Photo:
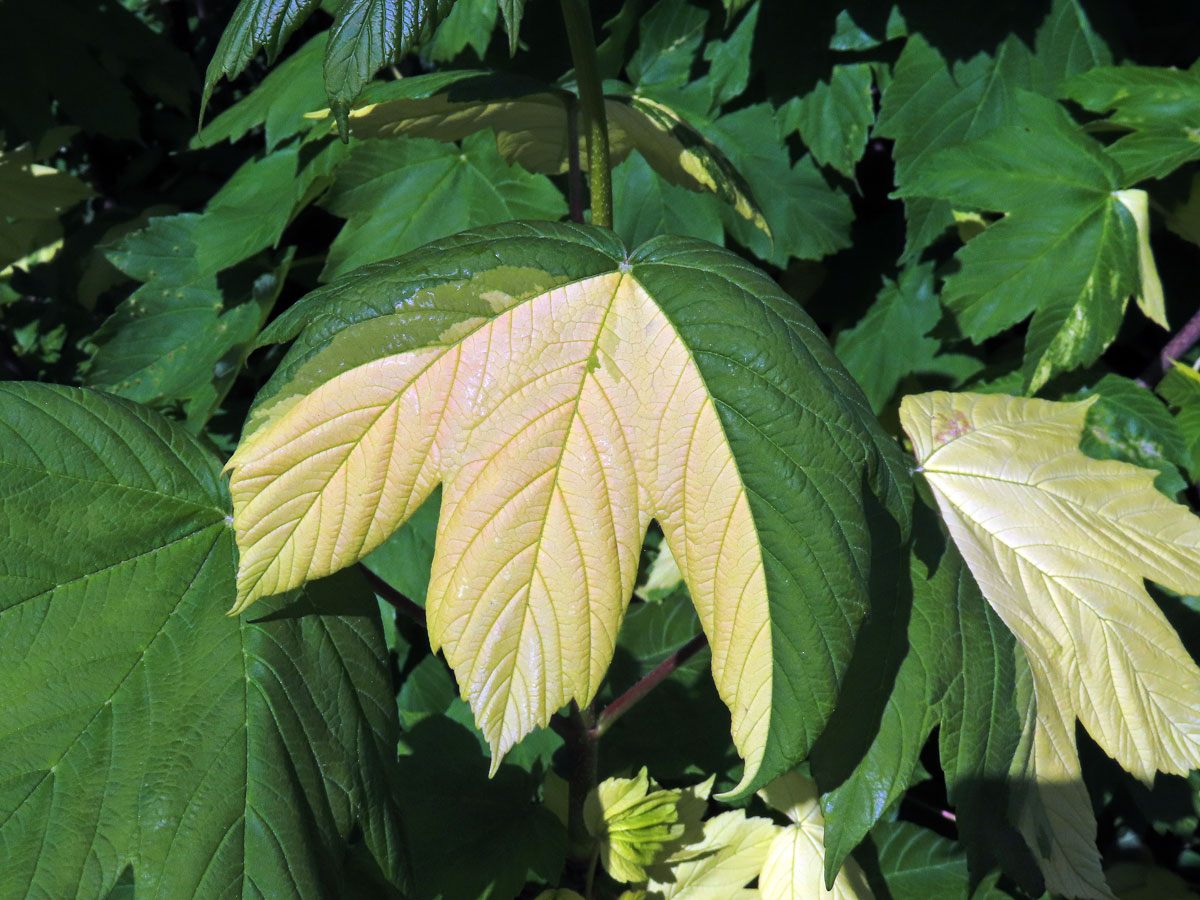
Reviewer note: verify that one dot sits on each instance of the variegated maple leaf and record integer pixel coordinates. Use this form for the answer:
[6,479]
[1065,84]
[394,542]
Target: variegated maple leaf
[1060,545]
[565,392]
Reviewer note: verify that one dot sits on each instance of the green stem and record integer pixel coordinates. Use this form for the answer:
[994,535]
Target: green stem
[580,750]
[591,99]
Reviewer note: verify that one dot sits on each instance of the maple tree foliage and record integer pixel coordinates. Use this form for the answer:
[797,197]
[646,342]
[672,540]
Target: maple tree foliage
[626,450]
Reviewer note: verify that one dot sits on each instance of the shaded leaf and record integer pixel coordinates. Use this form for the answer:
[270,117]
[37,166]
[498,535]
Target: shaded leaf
[676,301]
[512,10]
[645,205]
[1181,388]
[203,751]
[632,820]
[399,194]
[730,854]
[32,196]
[1156,106]
[835,117]
[291,89]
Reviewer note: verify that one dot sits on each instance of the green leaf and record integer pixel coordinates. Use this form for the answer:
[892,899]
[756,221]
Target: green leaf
[176,338]
[916,863]
[669,38]
[706,304]
[1156,106]
[1181,388]
[925,109]
[847,34]
[290,90]
[729,62]
[512,10]
[469,24]
[890,341]
[1130,424]
[32,196]
[646,205]
[1065,45]
[256,749]
[1067,247]
[530,122]
[481,837]
[404,559]
[256,25]
[834,117]
[958,676]
[251,210]
[399,194]
[807,218]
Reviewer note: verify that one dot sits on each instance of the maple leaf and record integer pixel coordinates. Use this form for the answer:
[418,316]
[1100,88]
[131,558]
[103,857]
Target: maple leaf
[795,862]
[565,393]
[1060,545]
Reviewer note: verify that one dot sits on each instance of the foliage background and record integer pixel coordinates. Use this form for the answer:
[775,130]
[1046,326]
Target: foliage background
[149,259]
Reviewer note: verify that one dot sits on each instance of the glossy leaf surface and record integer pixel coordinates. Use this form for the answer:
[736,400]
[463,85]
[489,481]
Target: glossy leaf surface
[629,388]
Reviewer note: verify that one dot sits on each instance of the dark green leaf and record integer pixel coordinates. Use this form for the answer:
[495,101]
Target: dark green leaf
[1159,107]
[480,837]
[729,60]
[670,35]
[209,753]
[918,864]
[400,194]
[957,674]
[646,205]
[925,109]
[1065,45]
[1181,388]
[834,117]
[469,24]
[890,341]
[290,90]
[848,35]
[807,218]
[1130,424]
[1066,248]
[512,10]
[256,25]
[178,337]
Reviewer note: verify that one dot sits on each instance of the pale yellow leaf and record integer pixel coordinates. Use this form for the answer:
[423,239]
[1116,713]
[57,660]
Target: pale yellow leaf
[558,429]
[1150,298]
[1060,545]
[632,819]
[718,867]
[795,864]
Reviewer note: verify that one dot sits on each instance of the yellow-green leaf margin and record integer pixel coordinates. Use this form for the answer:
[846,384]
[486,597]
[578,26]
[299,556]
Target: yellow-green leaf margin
[565,392]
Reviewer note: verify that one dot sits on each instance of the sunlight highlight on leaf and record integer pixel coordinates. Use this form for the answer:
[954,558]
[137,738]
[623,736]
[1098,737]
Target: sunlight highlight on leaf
[1060,545]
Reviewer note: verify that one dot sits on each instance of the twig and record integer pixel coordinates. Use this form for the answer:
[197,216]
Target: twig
[581,758]
[1180,343]
[402,604]
[645,684]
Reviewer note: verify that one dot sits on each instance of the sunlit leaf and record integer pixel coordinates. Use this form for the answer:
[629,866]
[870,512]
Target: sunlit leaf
[769,522]
[632,819]
[795,865]
[1060,545]
[729,856]
[1066,250]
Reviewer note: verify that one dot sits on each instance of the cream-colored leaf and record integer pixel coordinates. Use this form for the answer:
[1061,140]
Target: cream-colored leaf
[1060,545]
[558,429]
[795,864]
[718,867]
[1150,298]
